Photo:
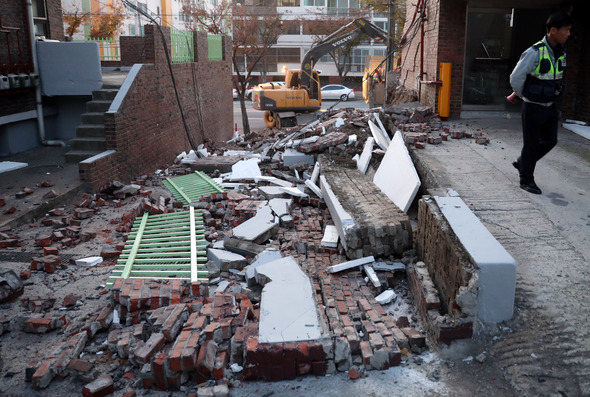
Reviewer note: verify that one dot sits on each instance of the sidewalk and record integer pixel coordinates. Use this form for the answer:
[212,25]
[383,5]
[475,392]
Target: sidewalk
[53,183]
[547,235]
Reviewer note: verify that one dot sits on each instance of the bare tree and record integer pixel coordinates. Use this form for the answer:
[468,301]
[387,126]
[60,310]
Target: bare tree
[252,34]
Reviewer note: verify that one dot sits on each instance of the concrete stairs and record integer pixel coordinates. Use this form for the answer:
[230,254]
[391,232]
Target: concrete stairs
[90,135]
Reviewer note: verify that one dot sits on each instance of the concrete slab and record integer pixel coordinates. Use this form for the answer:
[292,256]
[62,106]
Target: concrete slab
[294,191]
[280,206]
[6,166]
[245,169]
[350,264]
[363,162]
[266,256]
[396,175]
[378,135]
[288,310]
[343,220]
[314,188]
[578,129]
[331,237]
[292,156]
[316,173]
[274,181]
[273,192]
[496,267]
[372,276]
[380,125]
[259,228]
[226,260]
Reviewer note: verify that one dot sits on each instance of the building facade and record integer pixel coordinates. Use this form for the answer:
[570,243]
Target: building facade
[483,40]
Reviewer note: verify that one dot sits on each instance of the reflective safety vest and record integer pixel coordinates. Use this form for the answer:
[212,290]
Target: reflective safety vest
[545,83]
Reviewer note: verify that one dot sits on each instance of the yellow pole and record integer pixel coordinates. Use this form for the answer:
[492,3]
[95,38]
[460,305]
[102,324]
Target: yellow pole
[444,93]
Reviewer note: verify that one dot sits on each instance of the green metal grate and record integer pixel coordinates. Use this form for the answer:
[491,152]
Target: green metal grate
[190,188]
[166,246]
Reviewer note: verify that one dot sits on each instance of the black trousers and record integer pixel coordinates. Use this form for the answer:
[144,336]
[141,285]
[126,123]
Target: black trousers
[539,134]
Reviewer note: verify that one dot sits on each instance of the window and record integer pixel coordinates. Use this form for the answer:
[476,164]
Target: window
[291,27]
[381,24]
[315,3]
[342,7]
[40,18]
[288,3]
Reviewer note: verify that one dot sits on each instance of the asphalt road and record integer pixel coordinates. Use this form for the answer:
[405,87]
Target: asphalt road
[256,120]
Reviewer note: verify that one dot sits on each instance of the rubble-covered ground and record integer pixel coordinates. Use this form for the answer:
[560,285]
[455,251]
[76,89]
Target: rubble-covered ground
[59,299]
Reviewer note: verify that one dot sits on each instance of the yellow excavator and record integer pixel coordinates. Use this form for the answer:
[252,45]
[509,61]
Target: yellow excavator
[302,92]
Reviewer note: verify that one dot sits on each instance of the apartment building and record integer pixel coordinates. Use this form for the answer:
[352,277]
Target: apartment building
[299,38]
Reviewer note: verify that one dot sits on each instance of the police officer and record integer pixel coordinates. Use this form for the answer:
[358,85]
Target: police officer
[538,79]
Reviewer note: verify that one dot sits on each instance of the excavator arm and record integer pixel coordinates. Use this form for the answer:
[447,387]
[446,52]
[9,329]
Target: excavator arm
[301,92]
[336,40]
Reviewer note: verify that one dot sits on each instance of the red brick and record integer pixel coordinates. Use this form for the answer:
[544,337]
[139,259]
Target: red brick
[146,352]
[160,372]
[175,355]
[42,376]
[189,358]
[316,351]
[220,364]
[366,353]
[102,386]
[206,357]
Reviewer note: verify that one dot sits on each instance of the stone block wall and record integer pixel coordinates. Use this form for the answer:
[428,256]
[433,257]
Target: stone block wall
[151,127]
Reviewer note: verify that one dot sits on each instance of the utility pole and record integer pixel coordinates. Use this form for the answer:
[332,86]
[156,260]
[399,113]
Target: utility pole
[391,8]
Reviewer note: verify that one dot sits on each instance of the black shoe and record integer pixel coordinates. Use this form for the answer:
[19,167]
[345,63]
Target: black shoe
[530,187]
[516,165]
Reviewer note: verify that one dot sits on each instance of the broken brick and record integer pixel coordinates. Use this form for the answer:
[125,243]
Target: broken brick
[102,386]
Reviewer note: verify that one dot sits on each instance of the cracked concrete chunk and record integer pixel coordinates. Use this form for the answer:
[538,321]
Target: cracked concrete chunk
[226,260]
[288,310]
[401,185]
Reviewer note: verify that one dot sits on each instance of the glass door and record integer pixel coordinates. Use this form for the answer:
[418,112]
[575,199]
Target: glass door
[487,59]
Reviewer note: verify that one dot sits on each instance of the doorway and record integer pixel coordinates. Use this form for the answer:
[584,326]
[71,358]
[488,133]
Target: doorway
[495,38]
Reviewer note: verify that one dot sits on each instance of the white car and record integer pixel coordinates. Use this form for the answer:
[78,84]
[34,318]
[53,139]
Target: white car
[235,93]
[338,92]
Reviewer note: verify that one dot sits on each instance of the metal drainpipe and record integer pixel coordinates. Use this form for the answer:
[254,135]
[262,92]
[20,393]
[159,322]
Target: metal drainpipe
[38,101]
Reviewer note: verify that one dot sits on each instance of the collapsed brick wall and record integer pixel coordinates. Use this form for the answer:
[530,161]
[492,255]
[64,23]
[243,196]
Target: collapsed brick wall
[447,272]
[437,245]
[148,131]
[380,227]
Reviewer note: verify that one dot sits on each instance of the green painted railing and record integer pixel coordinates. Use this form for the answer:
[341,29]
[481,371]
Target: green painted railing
[110,49]
[182,46]
[215,48]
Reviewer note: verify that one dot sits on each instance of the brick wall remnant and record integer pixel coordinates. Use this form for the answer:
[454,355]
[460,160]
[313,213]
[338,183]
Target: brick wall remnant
[447,271]
[380,228]
[148,130]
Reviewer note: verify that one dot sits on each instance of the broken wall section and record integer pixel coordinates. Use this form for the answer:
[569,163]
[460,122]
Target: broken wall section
[145,127]
[375,226]
[445,279]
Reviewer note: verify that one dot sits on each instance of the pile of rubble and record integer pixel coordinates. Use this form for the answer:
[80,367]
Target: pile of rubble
[170,333]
